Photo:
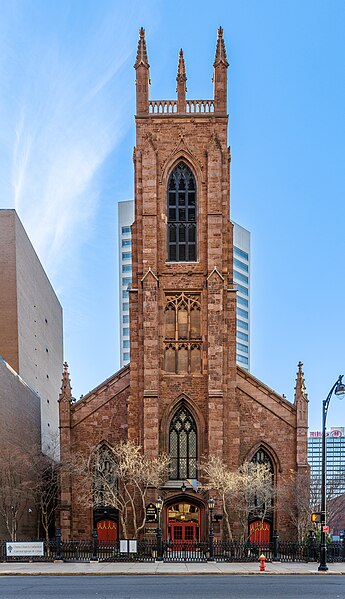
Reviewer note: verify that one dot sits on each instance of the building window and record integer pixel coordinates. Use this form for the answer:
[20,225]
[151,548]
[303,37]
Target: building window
[242,359]
[126,255]
[126,230]
[263,502]
[243,336]
[126,343]
[124,294]
[126,356]
[242,324]
[125,318]
[182,215]
[104,476]
[126,281]
[241,253]
[125,307]
[125,331]
[126,268]
[242,347]
[183,445]
[242,289]
[241,312]
[242,301]
[126,242]
[182,333]
[240,264]
[241,277]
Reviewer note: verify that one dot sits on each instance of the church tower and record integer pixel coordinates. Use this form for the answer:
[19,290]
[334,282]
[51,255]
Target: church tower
[182,301]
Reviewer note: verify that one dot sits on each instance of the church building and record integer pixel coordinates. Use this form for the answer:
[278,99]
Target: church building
[182,393]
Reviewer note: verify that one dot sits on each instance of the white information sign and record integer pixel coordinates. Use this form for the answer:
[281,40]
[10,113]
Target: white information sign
[128,546]
[19,549]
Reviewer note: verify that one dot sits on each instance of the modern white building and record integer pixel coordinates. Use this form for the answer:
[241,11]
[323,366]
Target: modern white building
[125,220]
[31,329]
[241,280]
[335,459]
[241,264]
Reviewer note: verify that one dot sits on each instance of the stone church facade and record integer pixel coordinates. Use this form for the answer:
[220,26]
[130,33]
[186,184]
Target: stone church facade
[183,393]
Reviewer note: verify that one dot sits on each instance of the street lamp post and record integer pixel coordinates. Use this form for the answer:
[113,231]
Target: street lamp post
[338,389]
[159,505]
[211,504]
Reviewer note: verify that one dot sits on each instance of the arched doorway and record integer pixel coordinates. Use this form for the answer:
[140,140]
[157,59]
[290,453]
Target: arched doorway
[106,530]
[260,532]
[183,521]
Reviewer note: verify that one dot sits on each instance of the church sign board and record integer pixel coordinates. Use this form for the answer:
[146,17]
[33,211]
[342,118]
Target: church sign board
[18,549]
[151,512]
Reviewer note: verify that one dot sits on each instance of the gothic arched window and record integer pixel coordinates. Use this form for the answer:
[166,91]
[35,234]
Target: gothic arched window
[262,500]
[182,230]
[183,445]
[105,484]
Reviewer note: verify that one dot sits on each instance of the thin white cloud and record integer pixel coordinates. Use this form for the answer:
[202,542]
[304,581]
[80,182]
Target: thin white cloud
[64,113]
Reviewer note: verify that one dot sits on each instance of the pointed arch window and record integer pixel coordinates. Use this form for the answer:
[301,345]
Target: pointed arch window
[183,445]
[262,500]
[182,225]
[104,470]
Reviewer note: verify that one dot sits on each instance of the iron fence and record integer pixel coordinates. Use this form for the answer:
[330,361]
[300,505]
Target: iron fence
[185,551]
[180,551]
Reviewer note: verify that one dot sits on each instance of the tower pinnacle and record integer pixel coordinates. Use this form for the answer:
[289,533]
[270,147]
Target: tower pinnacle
[220,80]
[220,50]
[142,52]
[142,75]
[181,84]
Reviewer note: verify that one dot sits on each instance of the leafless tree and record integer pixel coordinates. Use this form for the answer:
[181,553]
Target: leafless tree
[45,487]
[247,491]
[223,482]
[255,495]
[15,488]
[119,477]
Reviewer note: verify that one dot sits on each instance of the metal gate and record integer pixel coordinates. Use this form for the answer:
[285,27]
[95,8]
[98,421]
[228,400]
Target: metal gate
[185,551]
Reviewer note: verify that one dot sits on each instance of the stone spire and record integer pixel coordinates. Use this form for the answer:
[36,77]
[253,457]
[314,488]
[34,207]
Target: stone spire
[220,56]
[142,82]
[300,389]
[142,52]
[66,389]
[181,84]
[220,75]
[301,403]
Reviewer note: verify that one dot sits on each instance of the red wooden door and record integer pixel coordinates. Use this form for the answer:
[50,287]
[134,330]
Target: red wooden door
[183,532]
[260,532]
[107,530]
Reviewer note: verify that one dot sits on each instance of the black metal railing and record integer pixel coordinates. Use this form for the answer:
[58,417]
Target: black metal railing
[180,551]
[185,551]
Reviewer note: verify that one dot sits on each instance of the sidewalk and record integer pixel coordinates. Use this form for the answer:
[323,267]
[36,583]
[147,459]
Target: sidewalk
[125,568]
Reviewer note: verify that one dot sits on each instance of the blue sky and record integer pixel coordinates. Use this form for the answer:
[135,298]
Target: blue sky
[66,142]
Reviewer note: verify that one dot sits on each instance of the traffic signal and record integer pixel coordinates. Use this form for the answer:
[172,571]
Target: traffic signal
[316,517]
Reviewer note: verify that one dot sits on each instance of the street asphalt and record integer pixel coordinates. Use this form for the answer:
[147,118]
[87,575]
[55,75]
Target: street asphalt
[172,587]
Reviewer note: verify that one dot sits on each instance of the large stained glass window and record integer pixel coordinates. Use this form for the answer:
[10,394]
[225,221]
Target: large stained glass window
[183,445]
[182,230]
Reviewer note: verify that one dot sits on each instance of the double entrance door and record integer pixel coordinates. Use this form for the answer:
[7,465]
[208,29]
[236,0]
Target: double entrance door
[183,532]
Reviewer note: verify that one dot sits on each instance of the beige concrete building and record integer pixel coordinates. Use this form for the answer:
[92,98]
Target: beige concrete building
[30,320]
[20,423]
